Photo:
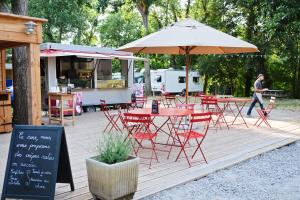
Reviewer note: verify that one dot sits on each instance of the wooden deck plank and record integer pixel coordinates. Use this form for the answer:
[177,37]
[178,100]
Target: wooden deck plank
[222,148]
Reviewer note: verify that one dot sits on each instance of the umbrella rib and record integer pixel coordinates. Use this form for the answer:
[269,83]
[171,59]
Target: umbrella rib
[141,49]
[222,50]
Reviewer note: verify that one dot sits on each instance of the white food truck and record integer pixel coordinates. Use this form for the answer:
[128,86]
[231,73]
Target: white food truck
[89,70]
[174,81]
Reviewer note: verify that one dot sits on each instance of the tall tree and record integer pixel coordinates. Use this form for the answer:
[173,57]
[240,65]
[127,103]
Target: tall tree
[4,7]
[187,11]
[20,71]
[144,8]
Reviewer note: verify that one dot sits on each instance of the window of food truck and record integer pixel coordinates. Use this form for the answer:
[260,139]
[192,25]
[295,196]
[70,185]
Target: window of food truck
[81,72]
[77,71]
[112,74]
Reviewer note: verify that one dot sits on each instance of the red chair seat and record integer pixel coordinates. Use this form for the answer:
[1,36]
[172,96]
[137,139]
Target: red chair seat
[191,134]
[144,136]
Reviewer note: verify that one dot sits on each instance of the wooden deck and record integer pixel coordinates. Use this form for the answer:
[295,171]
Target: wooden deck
[223,148]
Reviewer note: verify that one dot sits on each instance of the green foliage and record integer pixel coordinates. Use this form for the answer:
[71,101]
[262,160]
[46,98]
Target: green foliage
[117,30]
[114,149]
[272,25]
[66,19]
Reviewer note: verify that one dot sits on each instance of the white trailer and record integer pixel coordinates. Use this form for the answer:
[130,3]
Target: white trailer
[90,70]
[174,81]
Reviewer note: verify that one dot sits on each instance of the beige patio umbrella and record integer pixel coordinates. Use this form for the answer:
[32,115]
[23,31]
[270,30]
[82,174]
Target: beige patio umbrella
[189,37]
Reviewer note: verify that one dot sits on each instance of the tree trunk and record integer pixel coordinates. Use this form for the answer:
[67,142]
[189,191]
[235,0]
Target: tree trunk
[249,63]
[298,66]
[147,64]
[205,84]
[4,7]
[20,74]
[187,11]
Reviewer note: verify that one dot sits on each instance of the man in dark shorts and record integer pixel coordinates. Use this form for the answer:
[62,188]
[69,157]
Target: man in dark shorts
[257,95]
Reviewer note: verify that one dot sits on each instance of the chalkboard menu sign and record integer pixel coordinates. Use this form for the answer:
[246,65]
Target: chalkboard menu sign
[38,159]
[155,107]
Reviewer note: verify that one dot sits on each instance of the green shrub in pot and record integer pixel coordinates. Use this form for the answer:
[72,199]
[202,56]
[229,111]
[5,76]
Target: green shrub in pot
[113,173]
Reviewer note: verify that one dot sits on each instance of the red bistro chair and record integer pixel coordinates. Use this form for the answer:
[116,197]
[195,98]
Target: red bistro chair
[140,102]
[112,117]
[168,100]
[179,122]
[210,103]
[263,114]
[141,133]
[184,136]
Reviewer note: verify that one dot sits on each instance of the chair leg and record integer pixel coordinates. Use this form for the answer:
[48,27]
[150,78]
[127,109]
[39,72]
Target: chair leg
[199,147]
[203,154]
[183,150]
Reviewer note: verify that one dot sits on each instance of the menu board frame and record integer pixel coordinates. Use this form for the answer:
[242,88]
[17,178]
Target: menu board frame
[60,169]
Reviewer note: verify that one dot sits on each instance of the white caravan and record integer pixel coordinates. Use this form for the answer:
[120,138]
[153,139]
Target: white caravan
[174,81]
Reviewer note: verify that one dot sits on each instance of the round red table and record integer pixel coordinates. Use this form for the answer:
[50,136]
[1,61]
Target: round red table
[164,112]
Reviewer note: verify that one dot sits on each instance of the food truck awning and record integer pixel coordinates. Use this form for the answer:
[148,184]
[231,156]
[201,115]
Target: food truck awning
[59,53]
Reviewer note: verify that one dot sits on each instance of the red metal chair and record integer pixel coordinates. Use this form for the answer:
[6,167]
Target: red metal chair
[263,114]
[179,122]
[112,117]
[140,102]
[141,132]
[210,103]
[184,136]
[168,100]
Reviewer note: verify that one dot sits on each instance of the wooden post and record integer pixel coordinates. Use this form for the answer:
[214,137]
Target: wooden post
[2,70]
[34,84]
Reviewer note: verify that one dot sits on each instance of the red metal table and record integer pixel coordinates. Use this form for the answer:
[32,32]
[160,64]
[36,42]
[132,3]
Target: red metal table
[239,104]
[166,113]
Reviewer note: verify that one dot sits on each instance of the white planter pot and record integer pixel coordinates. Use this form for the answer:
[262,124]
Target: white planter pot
[112,181]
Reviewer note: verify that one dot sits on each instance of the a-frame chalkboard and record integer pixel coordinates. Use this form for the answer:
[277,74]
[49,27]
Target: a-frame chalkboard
[38,159]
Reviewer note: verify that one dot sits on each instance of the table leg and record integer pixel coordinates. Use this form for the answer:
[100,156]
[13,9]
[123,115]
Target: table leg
[62,111]
[239,108]
[73,111]
[49,109]
[221,115]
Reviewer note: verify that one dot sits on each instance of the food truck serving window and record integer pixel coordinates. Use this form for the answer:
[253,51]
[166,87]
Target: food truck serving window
[77,71]
[90,73]
[112,74]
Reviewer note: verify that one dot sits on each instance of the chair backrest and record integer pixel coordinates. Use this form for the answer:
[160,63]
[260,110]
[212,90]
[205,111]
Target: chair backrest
[188,106]
[202,120]
[209,100]
[201,117]
[103,106]
[271,103]
[140,102]
[137,118]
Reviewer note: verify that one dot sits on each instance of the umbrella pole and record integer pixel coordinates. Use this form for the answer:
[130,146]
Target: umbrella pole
[187,62]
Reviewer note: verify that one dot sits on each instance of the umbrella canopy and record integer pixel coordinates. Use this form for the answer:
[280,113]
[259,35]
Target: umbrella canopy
[189,37]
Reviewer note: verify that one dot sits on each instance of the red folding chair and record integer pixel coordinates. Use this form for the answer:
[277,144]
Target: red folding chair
[264,113]
[184,136]
[140,102]
[112,117]
[210,103]
[141,132]
[168,100]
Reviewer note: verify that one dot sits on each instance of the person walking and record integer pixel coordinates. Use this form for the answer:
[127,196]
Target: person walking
[257,95]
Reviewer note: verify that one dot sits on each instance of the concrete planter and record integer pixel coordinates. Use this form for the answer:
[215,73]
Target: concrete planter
[112,181]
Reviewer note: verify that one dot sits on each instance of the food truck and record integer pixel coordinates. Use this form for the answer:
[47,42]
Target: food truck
[89,71]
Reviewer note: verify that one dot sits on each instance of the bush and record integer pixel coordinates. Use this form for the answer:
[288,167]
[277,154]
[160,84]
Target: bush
[113,149]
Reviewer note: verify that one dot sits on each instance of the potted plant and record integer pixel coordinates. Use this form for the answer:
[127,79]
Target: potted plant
[113,173]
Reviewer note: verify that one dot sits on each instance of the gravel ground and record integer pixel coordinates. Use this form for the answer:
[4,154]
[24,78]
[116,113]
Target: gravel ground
[272,175]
